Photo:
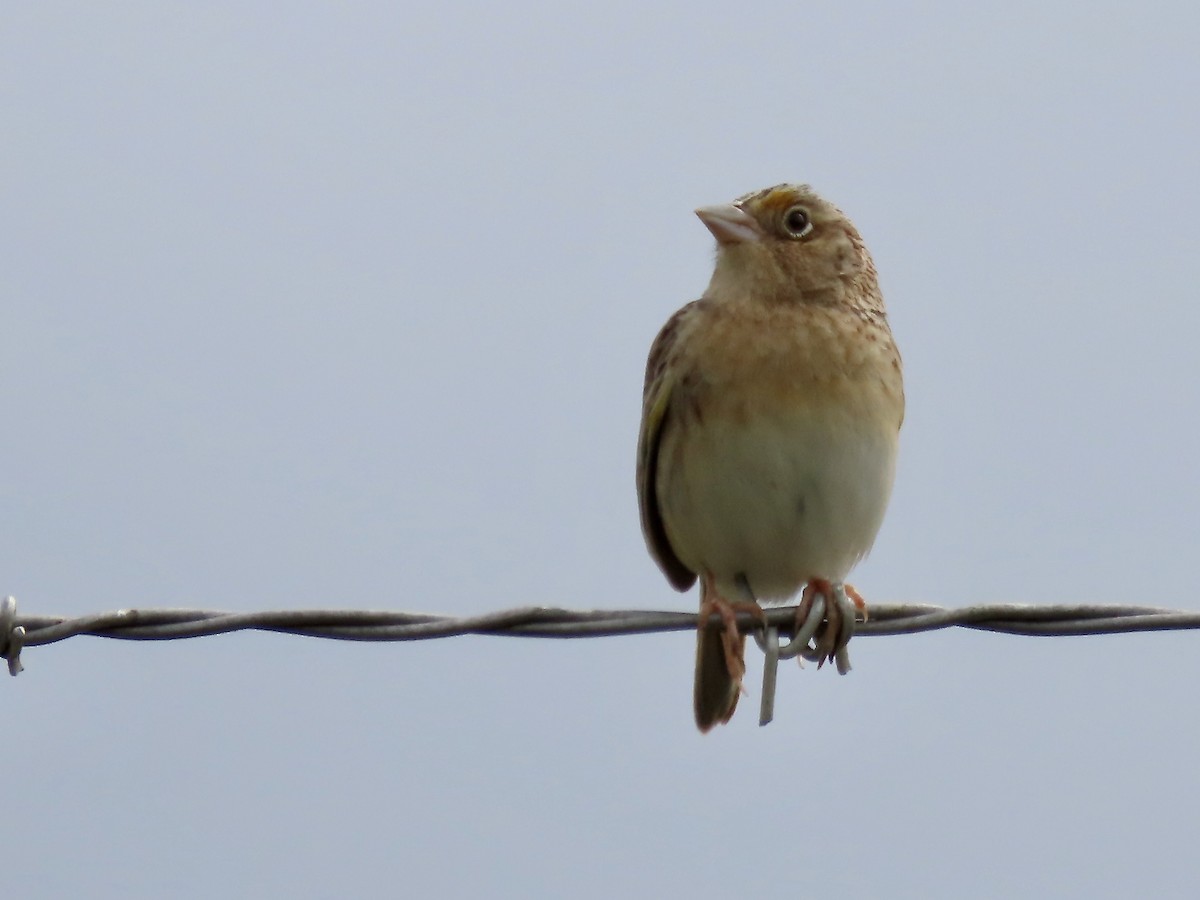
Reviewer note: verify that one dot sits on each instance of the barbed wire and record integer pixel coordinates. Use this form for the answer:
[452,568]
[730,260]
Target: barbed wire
[551,622]
[17,632]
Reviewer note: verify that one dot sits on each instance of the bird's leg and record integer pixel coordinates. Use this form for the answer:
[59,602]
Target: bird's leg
[731,636]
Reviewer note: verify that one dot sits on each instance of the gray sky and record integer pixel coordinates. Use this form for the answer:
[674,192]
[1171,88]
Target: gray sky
[349,308]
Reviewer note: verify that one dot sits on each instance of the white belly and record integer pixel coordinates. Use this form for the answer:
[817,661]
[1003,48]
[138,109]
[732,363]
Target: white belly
[777,500]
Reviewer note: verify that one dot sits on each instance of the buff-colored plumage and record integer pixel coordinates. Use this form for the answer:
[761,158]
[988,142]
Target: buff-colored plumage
[771,412]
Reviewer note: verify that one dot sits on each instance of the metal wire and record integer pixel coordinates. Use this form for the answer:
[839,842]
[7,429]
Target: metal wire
[547,622]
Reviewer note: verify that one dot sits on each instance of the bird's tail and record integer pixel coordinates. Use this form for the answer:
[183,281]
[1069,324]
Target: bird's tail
[717,690]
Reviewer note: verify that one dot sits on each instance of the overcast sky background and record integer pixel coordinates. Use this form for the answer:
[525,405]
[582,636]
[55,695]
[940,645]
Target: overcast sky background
[311,307]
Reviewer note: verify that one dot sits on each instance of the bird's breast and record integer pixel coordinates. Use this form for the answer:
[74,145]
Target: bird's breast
[778,461]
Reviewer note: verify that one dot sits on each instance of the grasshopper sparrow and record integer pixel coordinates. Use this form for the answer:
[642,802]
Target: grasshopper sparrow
[770,419]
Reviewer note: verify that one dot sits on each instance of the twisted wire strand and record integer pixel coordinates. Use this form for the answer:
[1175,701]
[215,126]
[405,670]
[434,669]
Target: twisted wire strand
[548,622]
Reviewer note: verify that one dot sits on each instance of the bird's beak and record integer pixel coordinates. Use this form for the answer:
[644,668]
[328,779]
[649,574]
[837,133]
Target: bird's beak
[729,224]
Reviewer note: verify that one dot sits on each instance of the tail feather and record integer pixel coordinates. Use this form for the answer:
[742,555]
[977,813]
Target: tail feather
[716,692]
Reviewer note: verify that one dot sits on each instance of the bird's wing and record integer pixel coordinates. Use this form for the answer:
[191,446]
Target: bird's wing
[656,418]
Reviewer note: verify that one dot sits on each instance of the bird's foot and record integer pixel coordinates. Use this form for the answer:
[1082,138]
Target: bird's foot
[827,612]
[731,636]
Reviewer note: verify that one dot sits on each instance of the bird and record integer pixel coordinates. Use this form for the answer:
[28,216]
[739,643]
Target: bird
[771,414]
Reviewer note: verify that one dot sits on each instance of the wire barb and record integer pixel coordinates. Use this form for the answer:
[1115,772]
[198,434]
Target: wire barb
[12,635]
[767,639]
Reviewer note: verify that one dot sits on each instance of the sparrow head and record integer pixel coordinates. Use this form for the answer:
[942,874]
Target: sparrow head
[787,244]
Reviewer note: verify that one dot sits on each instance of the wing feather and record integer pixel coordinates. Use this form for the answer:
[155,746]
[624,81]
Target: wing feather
[656,419]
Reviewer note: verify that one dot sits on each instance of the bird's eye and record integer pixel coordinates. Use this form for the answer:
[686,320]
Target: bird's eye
[796,222]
